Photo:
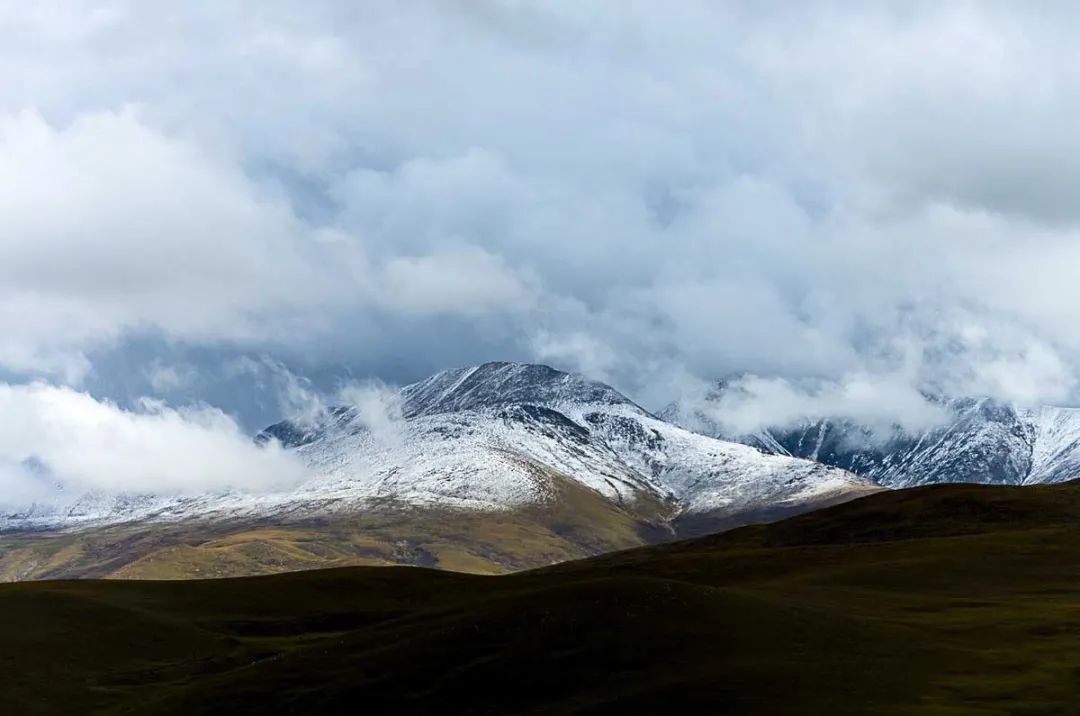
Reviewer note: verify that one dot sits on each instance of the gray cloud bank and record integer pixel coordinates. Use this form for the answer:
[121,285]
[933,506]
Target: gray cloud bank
[880,199]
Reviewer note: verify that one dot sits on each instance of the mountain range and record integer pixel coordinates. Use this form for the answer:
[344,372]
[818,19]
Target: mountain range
[981,440]
[501,435]
[508,466]
[488,468]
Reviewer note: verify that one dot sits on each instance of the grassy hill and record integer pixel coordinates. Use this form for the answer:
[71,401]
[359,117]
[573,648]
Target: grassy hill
[953,599]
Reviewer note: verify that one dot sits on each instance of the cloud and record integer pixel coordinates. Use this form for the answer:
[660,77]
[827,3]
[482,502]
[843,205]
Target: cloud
[751,403]
[296,398]
[979,121]
[378,409]
[111,227]
[59,437]
[377,404]
[165,378]
[828,195]
[578,350]
[463,282]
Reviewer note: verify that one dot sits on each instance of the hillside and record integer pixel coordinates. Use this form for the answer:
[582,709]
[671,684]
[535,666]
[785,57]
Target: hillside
[949,599]
[577,523]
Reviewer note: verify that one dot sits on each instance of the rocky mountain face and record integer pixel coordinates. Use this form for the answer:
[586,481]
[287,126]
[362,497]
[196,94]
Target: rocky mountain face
[492,436]
[981,441]
[577,461]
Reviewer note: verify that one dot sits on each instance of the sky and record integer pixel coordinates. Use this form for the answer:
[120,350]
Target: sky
[208,209]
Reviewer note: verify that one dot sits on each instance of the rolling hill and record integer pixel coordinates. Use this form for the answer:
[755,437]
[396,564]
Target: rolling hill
[952,599]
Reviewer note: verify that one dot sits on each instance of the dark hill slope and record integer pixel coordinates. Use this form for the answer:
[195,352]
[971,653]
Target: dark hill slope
[953,599]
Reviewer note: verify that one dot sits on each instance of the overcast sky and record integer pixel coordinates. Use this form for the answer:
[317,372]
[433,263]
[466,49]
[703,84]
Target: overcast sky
[854,202]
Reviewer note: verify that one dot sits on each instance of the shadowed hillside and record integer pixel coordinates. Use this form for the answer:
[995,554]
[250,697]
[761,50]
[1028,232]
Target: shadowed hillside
[953,599]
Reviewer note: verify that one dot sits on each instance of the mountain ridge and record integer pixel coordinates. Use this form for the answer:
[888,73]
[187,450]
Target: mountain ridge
[631,450]
[981,440]
[542,452]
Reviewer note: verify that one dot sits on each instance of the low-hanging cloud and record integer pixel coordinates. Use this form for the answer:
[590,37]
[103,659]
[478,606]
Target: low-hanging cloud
[377,405]
[751,403]
[57,440]
[378,409]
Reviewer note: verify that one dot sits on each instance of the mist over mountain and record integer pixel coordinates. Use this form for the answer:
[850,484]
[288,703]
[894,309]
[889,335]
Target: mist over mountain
[977,440]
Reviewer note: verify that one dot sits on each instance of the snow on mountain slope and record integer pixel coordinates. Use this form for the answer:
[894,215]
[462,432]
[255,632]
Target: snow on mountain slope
[496,437]
[983,441]
[498,384]
[488,458]
[1055,454]
[708,475]
[584,430]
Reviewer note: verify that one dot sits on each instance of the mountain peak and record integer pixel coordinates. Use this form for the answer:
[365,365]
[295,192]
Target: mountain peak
[500,383]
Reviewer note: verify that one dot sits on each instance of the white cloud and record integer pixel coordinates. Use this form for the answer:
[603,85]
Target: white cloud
[58,436]
[378,405]
[465,282]
[297,399]
[751,403]
[886,191]
[379,409]
[110,227]
[578,350]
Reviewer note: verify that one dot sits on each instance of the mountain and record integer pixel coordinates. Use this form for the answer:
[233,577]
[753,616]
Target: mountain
[567,466]
[949,599]
[981,441]
[491,436]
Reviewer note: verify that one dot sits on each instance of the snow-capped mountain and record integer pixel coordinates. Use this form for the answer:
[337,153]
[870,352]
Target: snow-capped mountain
[499,436]
[491,436]
[981,441]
